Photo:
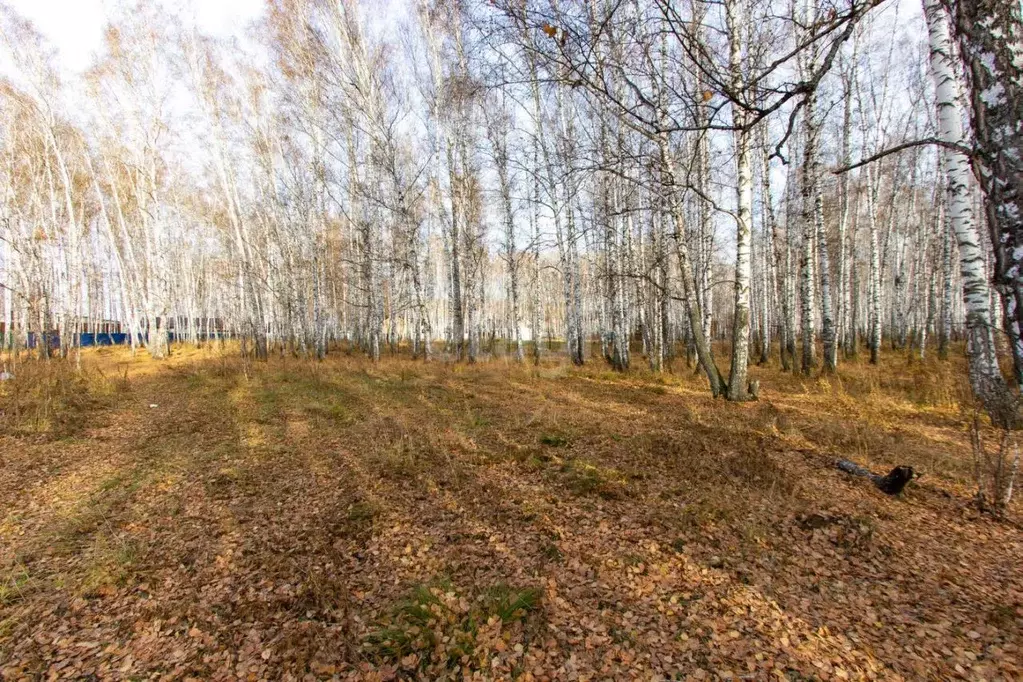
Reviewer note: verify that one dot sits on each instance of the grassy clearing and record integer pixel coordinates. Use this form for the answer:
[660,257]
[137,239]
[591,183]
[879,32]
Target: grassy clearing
[216,517]
[53,400]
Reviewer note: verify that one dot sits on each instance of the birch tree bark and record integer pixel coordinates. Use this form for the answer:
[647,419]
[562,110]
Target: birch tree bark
[786,328]
[703,348]
[985,377]
[497,132]
[990,38]
[738,385]
[808,307]
[843,325]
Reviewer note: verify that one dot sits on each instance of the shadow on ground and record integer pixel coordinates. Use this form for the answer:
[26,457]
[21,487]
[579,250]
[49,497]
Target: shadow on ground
[215,519]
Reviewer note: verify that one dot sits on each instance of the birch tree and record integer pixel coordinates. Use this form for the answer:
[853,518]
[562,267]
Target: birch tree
[990,39]
[985,375]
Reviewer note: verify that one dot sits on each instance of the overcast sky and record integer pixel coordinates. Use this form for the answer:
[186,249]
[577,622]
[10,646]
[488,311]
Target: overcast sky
[75,27]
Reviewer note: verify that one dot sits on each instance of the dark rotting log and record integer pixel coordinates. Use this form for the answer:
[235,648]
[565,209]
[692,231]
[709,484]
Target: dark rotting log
[890,484]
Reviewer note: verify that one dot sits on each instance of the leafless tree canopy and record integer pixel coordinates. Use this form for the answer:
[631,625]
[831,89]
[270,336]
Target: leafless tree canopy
[602,179]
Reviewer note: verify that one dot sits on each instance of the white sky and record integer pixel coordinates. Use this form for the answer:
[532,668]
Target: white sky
[75,27]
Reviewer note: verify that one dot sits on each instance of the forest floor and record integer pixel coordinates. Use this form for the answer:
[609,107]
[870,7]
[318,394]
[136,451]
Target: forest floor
[209,518]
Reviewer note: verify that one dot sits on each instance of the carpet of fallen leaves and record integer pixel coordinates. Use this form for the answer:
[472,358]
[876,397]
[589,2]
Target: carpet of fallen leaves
[213,519]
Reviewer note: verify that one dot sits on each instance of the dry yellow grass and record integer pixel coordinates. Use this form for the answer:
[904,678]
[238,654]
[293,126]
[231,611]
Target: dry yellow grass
[317,519]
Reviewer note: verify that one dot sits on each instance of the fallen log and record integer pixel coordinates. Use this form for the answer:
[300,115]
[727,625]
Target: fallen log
[890,484]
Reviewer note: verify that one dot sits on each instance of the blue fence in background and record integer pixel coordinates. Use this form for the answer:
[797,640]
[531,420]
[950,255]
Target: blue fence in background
[52,338]
[88,340]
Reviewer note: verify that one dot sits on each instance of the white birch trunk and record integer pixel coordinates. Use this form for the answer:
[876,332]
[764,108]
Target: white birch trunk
[738,386]
[985,377]
[990,37]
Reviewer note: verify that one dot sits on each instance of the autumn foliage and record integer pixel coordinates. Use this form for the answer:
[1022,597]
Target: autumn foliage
[210,518]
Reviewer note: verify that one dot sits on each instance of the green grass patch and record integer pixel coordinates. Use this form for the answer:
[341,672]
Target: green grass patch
[585,479]
[113,566]
[15,585]
[437,628]
[554,440]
